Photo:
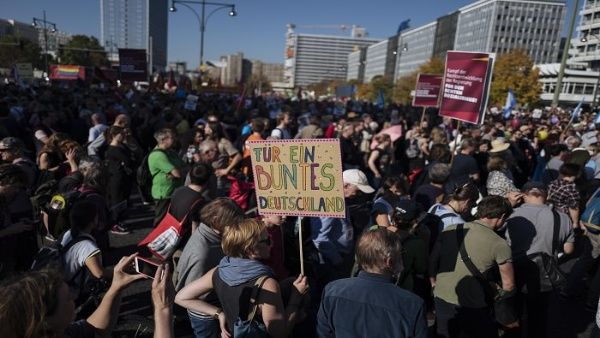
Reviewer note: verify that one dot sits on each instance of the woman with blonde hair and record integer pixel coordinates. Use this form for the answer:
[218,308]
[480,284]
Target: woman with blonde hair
[237,275]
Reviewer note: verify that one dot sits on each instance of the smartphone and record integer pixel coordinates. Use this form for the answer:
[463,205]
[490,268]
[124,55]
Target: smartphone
[145,267]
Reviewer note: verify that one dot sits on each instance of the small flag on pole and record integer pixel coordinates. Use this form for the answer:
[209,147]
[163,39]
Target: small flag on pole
[380,100]
[511,101]
[577,110]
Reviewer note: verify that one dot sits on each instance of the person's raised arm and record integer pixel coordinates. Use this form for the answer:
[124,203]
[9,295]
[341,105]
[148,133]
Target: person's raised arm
[163,296]
[189,298]
[105,316]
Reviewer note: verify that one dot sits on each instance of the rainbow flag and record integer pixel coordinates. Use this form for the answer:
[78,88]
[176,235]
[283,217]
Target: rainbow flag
[67,72]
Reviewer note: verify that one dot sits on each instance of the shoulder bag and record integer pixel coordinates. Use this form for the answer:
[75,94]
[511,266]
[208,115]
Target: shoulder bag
[250,328]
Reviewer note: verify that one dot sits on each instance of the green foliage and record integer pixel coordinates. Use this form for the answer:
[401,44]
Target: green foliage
[14,50]
[514,70]
[83,50]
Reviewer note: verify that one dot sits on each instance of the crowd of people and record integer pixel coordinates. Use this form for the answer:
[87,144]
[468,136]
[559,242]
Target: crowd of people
[451,230]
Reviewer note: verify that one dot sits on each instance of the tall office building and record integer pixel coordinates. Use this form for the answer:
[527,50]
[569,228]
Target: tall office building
[499,26]
[232,72]
[19,30]
[356,65]
[312,58]
[415,47]
[138,24]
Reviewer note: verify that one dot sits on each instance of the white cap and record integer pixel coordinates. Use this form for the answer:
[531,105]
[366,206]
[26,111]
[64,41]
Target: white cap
[359,179]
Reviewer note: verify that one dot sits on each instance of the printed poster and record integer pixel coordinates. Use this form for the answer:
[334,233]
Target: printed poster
[298,177]
[427,90]
[467,80]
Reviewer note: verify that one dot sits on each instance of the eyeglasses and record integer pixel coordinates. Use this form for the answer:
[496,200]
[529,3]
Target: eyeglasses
[266,241]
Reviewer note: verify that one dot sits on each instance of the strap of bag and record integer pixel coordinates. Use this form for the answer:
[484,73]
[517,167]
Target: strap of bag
[555,232]
[254,296]
[190,209]
[460,237]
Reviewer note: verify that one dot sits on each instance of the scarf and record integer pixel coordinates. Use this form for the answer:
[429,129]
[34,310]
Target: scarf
[235,271]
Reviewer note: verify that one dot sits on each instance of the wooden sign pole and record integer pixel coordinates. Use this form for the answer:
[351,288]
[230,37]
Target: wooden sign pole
[301,245]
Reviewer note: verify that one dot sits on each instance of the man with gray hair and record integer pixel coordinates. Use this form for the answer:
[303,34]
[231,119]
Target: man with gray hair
[433,192]
[166,170]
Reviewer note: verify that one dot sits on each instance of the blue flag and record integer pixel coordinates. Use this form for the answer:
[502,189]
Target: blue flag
[404,25]
[597,120]
[511,101]
[577,110]
[380,100]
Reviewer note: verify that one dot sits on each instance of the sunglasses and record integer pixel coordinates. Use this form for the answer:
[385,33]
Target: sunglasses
[266,241]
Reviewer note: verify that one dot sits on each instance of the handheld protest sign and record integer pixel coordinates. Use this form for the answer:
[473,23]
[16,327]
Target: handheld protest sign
[298,178]
[466,86]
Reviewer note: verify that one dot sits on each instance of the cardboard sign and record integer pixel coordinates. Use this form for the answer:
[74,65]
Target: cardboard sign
[466,86]
[427,90]
[298,177]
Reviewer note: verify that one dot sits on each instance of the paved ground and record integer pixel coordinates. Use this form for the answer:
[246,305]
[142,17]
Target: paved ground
[569,320]
[136,308]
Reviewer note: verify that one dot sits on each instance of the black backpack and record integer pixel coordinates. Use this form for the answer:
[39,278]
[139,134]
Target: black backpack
[52,257]
[144,178]
[434,223]
[58,210]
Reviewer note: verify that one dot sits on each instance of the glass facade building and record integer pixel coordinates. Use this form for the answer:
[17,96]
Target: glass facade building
[138,24]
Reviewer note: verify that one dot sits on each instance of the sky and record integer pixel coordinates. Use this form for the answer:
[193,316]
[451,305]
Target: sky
[259,28]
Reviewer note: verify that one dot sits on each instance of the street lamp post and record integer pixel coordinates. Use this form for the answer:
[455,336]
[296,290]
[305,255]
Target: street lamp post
[202,18]
[584,39]
[565,56]
[44,24]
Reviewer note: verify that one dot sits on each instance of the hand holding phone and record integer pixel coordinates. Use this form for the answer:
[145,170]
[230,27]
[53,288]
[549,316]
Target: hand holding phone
[145,267]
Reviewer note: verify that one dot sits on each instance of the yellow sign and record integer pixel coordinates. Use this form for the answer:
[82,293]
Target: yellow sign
[298,177]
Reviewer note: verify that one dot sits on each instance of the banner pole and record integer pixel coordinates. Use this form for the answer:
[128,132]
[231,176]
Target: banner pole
[300,245]
[453,149]
[423,116]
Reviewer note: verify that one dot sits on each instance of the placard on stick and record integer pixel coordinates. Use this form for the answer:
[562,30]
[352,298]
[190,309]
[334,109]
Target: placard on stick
[298,177]
[467,80]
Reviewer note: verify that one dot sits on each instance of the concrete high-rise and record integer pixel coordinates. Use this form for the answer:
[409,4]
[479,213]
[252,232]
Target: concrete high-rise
[311,58]
[138,24]
[499,26]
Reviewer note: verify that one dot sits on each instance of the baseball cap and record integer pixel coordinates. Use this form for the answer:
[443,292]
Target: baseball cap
[407,210]
[11,143]
[359,179]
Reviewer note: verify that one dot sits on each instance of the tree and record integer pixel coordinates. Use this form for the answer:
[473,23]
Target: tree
[406,84]
[514,70]
[17,50]
[83,50]
[257,80]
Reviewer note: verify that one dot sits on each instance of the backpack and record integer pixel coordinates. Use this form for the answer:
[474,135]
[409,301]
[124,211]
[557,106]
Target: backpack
[591,215]
[52,257]
[143,175]
[434,223]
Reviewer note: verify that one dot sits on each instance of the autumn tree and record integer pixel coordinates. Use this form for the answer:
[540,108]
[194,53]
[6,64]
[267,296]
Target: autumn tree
[83,50]
[18,50]
[514,70]
[406,84]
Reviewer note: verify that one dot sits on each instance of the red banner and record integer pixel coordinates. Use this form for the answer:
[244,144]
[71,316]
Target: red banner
[427,90]
[466,86]
[67,72]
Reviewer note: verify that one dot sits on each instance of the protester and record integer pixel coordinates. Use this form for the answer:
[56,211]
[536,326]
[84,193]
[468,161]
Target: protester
[202,253]
[166,169]
[236,275]
[462,304]
[350,306]
[563,194]
[530,230]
